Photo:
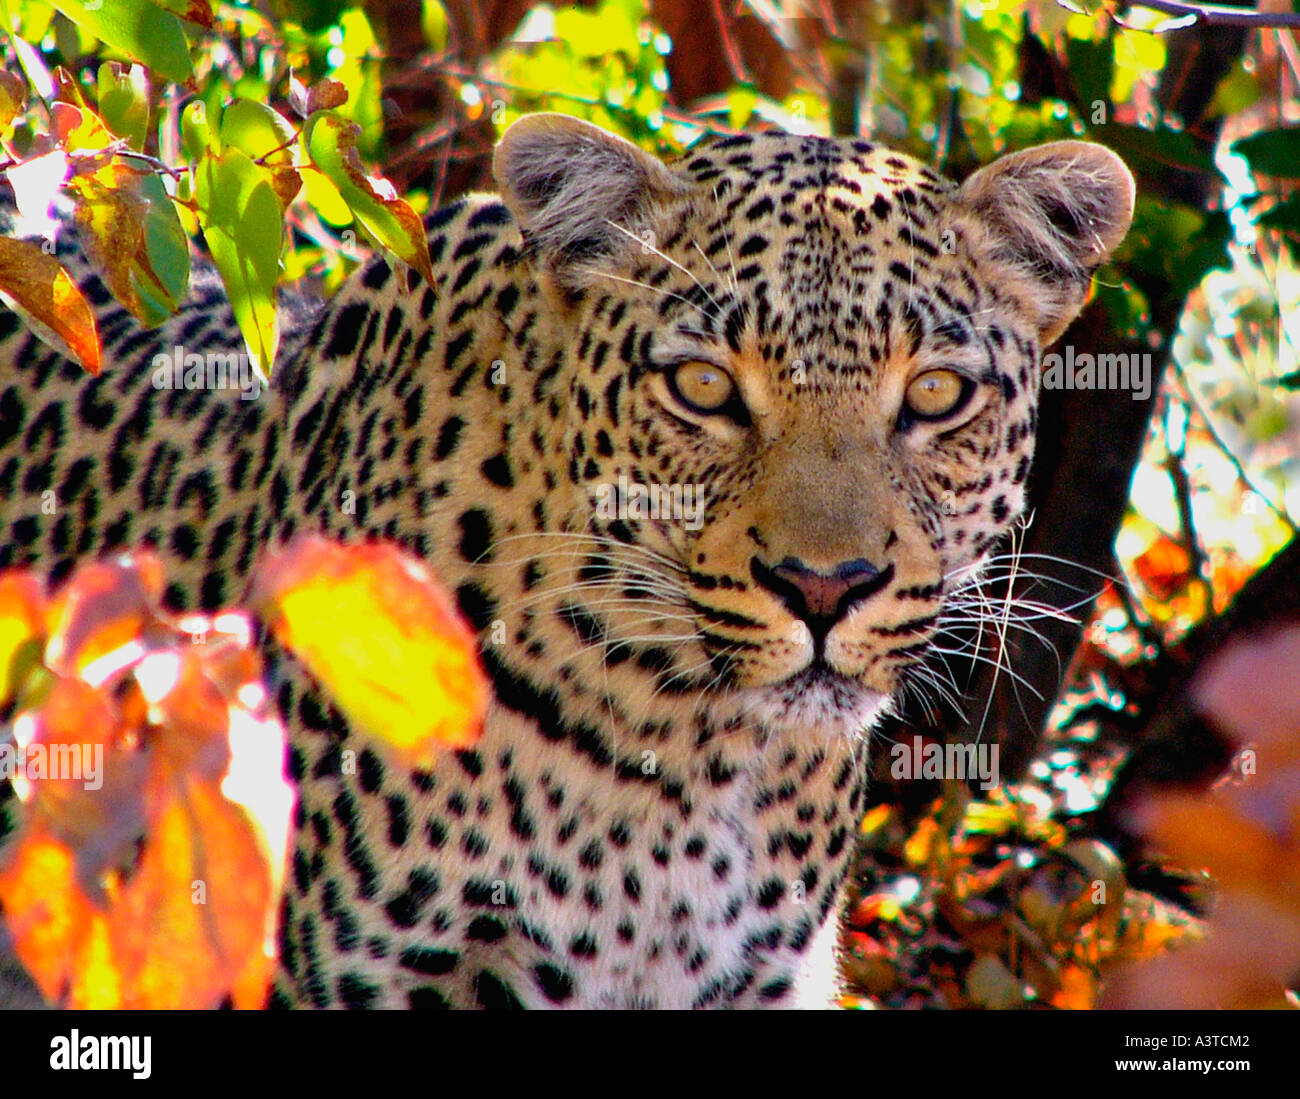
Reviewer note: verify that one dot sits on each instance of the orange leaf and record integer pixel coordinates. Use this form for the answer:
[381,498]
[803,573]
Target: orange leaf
[155,819]
[1163,567]
[36,285]
[105,605]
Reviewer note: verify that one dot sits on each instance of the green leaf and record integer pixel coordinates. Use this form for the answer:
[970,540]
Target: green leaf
[331,142]
[196,131]
[311,15]
[1092,65]
[129,226]
[242,222]
[1236,91]
[124,102]
[1155,150]
[433,21]
[137,28]
[267,137]
[1272,152]
[1285,217]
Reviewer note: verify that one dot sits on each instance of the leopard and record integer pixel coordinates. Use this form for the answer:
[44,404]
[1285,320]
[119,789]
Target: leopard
[702,448]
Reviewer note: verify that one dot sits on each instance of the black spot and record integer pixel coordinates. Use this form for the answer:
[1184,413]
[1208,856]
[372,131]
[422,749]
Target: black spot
[426,998]
[583,946]
[474,843]
[347,330]
[405,908]
[448,437]
[497,470]
[376,276]
[432,963]
[495,214]
[493,994]
[478,607]
[555,984]
[770,893]
[775,990]
[471,763]
[475,535]
[371,771]
[399,821]
[355,992]
[485,929]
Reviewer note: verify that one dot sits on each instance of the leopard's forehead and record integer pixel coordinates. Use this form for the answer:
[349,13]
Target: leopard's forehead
[833,254]
[804,166]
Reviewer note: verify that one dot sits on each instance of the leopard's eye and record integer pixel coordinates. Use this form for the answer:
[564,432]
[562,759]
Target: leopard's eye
[702,387]
[937,394]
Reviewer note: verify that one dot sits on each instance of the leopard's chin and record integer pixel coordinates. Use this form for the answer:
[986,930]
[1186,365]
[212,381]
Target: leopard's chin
[817,700]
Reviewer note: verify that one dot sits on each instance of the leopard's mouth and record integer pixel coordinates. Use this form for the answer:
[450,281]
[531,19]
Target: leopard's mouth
[816,698]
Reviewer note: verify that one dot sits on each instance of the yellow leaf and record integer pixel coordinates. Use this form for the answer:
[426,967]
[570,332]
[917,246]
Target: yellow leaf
[22,629]
[376,629]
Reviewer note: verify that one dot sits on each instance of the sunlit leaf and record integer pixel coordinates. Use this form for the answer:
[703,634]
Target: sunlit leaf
[130,229]
[124,101]
[1164,568]
[13,98]
[102,607]
[196,131]
[331,142]
[376,629]
[433,22]
[268,138]
[138,28]
[22,629]
[242,222]
[154,818]
[37,286]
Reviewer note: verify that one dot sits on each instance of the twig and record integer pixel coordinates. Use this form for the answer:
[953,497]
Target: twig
[1215,15]
[734,63]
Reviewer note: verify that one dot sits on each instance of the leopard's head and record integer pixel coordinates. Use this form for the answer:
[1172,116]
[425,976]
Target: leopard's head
[803,376]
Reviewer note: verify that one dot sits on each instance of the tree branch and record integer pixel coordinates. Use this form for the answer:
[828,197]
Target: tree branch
[1216,15]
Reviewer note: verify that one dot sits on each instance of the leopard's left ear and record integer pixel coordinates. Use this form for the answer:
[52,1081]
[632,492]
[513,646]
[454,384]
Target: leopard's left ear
[1052,214]
[580,193]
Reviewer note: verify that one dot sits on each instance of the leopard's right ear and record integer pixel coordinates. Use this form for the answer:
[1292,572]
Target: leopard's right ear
[1048,216]
[581,195]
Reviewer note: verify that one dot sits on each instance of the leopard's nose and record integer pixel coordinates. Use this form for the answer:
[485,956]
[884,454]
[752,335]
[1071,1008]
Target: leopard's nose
[821,598]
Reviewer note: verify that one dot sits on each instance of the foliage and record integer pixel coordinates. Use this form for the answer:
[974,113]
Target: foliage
[168,810]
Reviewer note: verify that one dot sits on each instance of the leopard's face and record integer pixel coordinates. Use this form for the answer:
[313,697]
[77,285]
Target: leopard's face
[803,396]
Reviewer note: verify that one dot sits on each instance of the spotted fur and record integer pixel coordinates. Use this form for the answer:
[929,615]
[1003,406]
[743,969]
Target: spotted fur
[661,811]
